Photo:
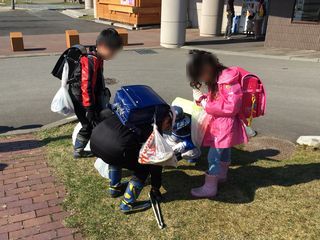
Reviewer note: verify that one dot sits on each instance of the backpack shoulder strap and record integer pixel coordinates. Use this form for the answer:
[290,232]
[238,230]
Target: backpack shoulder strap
[81,48]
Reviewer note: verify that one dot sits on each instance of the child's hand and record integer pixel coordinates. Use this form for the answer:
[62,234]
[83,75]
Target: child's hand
[197,95]
[203,103]
[91,116]
[179,147]
[199,98]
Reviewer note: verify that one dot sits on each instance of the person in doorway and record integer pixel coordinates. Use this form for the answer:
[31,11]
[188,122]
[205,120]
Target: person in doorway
[260,13]
[250,19]
[223,103]
[230,16]
[89,94]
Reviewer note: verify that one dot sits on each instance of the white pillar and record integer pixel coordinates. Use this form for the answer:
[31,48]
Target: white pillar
[95,14]
[88,4]
[173,23]
[211,17]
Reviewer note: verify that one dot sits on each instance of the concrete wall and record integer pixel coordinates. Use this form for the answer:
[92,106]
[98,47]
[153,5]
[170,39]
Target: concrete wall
[282,32]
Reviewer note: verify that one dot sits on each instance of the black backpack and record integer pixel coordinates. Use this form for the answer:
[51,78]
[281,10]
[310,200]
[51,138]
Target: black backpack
[72,56]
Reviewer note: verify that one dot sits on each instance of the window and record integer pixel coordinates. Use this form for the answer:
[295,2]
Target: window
[307,11]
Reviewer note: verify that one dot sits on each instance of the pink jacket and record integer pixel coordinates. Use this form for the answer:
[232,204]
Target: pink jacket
[225,129]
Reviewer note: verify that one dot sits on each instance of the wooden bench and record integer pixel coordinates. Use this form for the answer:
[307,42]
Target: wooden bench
[16,40]
[124,35]
[72,38]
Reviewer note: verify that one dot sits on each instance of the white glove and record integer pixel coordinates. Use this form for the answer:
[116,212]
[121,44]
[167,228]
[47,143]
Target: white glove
[204,103]
[178,148]
[197,94]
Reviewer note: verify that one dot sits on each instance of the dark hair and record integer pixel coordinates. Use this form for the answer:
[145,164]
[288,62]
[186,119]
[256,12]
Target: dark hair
[110,38]
[198,59]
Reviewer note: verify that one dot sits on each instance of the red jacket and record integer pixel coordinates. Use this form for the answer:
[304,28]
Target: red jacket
[91,79]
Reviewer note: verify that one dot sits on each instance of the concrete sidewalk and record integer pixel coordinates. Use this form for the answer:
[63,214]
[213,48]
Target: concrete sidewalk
[30,196]
[241,45]
[43,32]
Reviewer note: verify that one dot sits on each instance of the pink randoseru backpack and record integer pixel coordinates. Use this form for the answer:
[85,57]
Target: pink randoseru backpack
[254,96]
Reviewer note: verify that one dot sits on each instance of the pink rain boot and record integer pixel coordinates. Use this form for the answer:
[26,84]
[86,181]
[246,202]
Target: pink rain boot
[222,177]
[209,189]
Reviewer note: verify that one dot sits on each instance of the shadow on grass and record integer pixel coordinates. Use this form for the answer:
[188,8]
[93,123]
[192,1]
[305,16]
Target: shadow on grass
[48,140]
[19,145]
[242,181]
[4,129]
[28,144]
[239,158]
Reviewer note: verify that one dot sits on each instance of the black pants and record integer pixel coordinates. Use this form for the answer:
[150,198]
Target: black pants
[229,25]
[86,130]
[119,146]
[156,176]
[87,127]
[143,171]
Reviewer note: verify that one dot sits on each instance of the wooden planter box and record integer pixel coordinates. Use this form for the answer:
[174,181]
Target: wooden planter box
[143,12]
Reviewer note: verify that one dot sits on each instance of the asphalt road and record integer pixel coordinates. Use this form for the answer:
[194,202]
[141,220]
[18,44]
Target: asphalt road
[35,22]
[293,88]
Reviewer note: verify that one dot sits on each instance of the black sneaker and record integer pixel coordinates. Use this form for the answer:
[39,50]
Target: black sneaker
[82,154]
[118,190]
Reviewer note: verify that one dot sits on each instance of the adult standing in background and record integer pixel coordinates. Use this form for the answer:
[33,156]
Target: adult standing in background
[230,16]
[260,13]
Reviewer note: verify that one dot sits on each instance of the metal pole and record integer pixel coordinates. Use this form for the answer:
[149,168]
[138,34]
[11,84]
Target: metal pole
[13,5]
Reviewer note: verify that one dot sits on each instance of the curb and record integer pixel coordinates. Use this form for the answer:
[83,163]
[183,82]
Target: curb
[30,55]
[44,127]
[59,53]
[256,55]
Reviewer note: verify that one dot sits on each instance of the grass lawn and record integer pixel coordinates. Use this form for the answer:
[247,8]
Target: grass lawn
[263,199]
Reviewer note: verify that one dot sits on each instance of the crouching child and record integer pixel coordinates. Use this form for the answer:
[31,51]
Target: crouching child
[119,146]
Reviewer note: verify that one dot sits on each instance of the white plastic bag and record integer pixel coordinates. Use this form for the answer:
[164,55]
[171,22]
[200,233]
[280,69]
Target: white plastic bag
[102,167]
[157,151]
[61,102]
[199,123]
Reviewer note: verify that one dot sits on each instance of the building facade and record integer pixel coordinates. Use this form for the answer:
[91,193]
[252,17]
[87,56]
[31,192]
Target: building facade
[294,24]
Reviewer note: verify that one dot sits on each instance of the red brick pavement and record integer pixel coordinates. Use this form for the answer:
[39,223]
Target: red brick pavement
[30,197]
[56,43]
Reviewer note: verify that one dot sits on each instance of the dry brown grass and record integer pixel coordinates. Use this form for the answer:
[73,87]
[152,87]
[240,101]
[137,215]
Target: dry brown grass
[263,199]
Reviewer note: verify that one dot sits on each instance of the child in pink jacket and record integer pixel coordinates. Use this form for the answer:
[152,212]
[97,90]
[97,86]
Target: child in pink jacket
[223,103]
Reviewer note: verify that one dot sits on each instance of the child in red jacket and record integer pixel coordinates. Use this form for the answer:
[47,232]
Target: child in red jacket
[89,94]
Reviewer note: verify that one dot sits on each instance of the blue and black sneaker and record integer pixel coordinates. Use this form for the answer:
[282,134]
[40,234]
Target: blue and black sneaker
[129,204]
[116,188]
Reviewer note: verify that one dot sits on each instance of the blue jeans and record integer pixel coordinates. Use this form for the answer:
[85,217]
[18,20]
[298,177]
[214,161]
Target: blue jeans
[215,156]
